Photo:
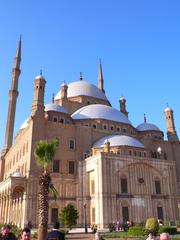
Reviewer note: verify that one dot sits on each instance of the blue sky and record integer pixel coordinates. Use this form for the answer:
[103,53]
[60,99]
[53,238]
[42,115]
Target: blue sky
[138,42]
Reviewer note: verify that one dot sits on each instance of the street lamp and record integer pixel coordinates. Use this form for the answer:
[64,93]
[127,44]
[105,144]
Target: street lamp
[85,218]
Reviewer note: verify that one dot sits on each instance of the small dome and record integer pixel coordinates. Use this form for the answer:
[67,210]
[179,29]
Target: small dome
[168,109]
[147,127]
[25,124]
[118,140]
[17,174]
[54,107]
[122,98]
[99,111]
[40,77]
[82,88]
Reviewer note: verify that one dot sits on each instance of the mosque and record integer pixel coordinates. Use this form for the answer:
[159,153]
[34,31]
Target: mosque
[107,168]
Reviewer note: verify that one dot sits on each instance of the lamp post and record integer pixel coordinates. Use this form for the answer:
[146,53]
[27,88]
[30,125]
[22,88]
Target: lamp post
[85,218]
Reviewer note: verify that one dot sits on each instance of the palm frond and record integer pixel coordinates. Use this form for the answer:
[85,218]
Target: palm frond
[53,191]
[44,152]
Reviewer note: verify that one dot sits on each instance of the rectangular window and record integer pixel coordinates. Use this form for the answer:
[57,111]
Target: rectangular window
[71,167]
[124,187]
[72,144]
[125,214]
[56,166]
[158,187]
[54,215]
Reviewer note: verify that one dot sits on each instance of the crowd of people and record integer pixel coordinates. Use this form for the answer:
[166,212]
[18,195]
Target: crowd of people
[7,234]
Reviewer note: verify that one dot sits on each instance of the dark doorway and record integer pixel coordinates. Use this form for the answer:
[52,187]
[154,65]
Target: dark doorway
[125,213]
[54,215]
[160,212]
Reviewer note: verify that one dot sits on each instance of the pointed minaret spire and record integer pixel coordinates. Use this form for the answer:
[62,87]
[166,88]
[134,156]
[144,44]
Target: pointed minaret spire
[18,51]
[13,94]
[145,120]
[100,77]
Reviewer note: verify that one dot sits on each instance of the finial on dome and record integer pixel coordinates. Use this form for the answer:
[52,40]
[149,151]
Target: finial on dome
[81,76]
[145,119]
[122,97]
[40,72]
[53,98]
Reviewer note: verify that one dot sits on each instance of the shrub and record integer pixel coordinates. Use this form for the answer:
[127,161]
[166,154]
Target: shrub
[152,226]
[111,227]
[168,229]
[69,216]
[136,231]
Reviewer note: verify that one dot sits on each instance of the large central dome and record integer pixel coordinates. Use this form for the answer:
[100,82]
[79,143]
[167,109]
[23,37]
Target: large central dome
[82,88]
[99,111]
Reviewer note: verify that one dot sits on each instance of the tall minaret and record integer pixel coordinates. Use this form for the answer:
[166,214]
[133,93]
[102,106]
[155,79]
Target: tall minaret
[100,77]
[13,94]
[171,131]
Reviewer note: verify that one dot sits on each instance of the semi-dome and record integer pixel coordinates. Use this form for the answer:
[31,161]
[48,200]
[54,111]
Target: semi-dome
[147,127]
[99,111]
[82,88]
[118,140]
[54,107]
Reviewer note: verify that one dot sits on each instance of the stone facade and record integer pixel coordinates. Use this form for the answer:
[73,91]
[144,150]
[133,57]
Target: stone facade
[113,181]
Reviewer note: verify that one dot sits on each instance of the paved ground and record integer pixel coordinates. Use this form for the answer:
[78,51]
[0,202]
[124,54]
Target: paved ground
[80,236]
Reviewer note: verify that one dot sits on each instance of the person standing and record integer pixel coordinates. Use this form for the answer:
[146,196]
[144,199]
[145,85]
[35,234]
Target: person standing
[55,234]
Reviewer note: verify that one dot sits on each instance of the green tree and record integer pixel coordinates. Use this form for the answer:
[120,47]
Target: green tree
[44,154]
[152,226]
[69,216]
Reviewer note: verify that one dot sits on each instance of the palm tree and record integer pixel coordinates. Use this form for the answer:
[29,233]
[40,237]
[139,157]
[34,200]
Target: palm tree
[44,154]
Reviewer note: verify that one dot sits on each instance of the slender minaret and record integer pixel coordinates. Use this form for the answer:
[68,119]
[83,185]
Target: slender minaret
[100,77]
[13,94]
[37,109]
[171,131]
[122,102]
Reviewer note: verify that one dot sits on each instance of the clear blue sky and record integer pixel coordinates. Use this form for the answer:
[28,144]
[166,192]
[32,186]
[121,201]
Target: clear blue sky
[137,40]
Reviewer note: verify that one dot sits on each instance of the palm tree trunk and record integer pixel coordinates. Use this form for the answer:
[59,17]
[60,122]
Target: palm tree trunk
[43,203]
